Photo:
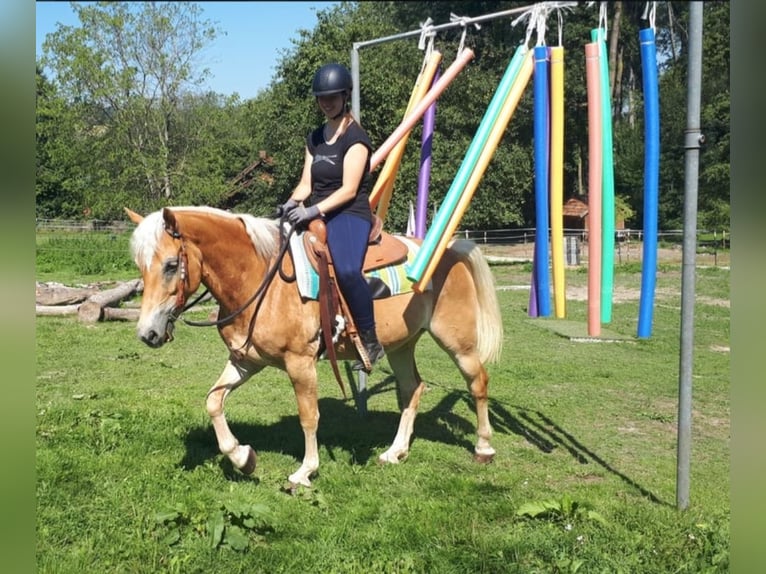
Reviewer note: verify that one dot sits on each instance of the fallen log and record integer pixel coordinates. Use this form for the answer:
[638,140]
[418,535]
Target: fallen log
[120,314]
[110,297]
[92,310]
[58,294]
[56,309]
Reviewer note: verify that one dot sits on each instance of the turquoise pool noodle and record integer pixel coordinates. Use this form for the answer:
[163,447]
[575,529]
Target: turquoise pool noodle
[447,208]
[607,185]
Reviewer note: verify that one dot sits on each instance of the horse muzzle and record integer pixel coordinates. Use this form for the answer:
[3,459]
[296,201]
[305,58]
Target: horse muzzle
[155,338]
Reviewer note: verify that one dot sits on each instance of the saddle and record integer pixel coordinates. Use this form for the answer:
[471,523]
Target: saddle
[383,249]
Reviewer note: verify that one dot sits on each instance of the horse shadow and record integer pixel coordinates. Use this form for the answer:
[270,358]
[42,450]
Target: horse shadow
[359,438]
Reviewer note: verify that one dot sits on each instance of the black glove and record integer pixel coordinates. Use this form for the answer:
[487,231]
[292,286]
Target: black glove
[286,207]
[302,215]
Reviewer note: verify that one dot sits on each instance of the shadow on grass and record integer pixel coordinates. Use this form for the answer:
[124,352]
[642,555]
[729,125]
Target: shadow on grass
[541,431]
[362,437]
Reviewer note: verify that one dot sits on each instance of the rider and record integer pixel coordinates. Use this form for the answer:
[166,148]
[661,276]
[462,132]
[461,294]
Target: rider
[336,179]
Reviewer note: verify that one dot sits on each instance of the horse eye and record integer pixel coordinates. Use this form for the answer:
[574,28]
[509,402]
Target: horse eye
[171,266]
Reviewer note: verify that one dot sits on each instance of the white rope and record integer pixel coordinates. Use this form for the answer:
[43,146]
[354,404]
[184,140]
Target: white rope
[426,41]
[602,19]
[650,12]
[559,7]
[531,14]
[464,21]
[426,33]
[542,17]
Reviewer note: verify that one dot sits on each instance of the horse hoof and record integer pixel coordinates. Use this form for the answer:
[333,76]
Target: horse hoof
[249,467]
[385,459]
[483,458]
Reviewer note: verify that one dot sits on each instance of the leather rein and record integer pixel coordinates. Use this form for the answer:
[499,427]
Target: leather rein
[182,305]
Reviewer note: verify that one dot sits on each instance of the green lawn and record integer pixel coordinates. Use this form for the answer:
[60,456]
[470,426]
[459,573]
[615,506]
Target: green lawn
[129,478]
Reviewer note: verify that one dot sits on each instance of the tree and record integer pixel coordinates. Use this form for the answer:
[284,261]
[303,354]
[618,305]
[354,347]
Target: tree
[121,123]
[54,196]
[126,71]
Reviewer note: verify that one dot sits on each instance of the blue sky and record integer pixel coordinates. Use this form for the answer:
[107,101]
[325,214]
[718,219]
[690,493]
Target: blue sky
[243,57]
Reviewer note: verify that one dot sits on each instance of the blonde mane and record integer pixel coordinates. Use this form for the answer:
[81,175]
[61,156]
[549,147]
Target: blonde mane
[146,236]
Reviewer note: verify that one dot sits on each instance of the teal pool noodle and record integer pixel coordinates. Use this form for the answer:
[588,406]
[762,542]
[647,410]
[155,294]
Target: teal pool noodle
[442,217]
[607,185]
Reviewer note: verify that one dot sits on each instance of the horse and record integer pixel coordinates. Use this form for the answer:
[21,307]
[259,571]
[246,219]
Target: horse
[265,322]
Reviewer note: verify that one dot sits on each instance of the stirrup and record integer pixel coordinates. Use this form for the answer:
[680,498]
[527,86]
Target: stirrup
[365,361]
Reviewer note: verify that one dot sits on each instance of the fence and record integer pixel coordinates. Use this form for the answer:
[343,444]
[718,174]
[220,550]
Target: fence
[707,241]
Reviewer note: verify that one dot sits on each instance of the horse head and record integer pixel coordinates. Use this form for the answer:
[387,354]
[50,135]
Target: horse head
[170,268]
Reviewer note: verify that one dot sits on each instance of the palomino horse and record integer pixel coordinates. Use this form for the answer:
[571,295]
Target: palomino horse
[178,249]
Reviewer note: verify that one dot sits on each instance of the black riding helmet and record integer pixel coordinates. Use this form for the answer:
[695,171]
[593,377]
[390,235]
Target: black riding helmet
[331,79]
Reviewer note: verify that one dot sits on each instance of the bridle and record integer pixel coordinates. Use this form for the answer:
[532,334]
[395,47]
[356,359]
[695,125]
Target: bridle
[181,305]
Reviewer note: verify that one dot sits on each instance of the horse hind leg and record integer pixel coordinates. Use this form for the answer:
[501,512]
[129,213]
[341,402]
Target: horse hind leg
[478,381]
[409,390]
[466,357]
[242,456]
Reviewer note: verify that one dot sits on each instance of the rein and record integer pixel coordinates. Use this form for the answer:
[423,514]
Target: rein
[284,244]
[184,276]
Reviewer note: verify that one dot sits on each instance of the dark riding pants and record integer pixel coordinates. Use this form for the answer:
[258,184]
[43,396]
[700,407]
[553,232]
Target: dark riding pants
[347,237]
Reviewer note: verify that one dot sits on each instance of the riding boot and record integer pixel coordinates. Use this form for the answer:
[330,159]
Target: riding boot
[372,347]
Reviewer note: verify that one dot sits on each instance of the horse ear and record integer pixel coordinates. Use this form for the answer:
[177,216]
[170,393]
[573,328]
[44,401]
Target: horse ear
[170,219]
[134,217]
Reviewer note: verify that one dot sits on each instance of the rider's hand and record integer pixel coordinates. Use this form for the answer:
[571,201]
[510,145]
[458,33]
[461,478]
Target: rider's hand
[286,207]
[302,215]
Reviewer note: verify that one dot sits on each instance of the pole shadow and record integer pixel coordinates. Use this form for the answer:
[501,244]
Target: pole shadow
[546,435]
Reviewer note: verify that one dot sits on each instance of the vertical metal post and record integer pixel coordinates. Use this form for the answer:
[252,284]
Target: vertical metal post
[355,82]
[692,141]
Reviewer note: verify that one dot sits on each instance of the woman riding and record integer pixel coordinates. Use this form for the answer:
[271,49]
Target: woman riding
[336,181]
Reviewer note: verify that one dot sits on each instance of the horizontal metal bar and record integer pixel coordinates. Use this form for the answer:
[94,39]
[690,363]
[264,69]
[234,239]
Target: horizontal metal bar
[456,23]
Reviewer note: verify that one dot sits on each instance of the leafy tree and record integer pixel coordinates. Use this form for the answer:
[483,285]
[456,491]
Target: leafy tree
[124,123]
[126,71]
[53,196]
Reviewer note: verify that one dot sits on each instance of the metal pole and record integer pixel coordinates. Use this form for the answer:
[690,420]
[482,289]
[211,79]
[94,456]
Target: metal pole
[693,140]
[355,107]
[355,82]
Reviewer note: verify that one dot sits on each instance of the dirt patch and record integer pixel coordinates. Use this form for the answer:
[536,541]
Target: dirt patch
[633,252]
[624,253]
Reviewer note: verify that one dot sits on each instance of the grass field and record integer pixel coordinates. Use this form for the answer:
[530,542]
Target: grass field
[129,478]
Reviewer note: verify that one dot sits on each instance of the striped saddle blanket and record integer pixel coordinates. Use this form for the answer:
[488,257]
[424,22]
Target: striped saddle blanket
[393,277]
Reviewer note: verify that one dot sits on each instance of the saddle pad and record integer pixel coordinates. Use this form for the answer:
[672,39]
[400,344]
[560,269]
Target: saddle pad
[394,276]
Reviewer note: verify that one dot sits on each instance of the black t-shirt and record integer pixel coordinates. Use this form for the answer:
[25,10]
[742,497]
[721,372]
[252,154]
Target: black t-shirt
[327,168]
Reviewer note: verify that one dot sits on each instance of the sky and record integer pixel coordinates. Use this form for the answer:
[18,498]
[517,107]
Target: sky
[243,58]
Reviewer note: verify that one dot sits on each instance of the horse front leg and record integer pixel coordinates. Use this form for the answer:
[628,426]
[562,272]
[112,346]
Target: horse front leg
[302,373]
[242,456]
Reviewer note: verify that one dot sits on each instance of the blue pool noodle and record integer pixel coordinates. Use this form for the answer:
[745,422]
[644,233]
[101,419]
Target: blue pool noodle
[651,180]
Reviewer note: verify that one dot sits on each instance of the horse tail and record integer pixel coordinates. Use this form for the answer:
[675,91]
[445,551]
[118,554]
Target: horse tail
[489,324]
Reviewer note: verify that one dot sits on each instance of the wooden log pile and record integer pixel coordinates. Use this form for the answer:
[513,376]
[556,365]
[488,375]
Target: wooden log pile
[90,304]
[93,304]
